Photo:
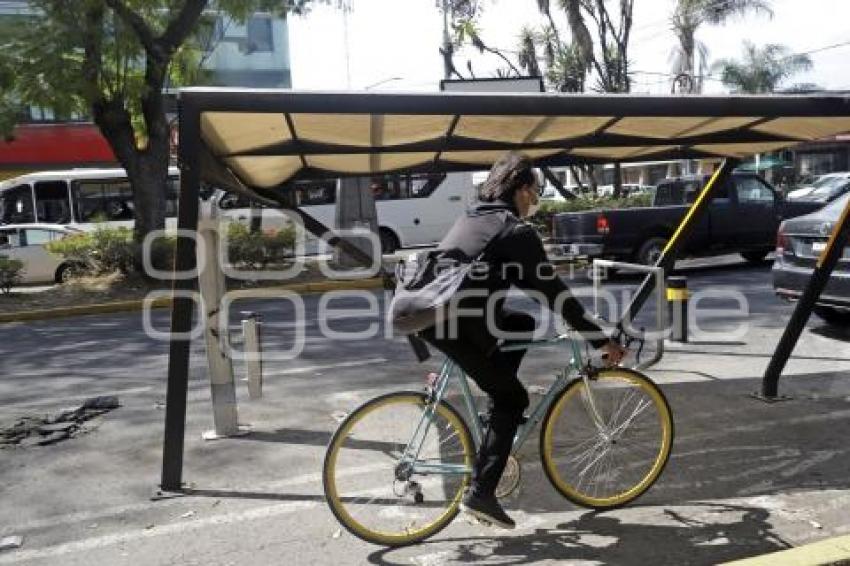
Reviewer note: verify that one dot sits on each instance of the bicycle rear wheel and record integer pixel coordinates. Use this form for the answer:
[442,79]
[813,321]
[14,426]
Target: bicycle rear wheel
[396,468]
[609,462]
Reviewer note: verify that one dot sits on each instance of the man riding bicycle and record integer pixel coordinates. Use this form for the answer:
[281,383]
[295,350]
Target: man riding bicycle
[515,258]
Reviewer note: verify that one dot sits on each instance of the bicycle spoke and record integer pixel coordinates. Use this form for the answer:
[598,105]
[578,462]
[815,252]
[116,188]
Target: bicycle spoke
[607,462]
[399,502]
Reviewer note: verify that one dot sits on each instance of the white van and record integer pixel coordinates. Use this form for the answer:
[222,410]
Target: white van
[80,198]
[415,209]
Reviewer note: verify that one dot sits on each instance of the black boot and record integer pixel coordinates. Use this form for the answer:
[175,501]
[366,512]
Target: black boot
[486,509]
[489,466]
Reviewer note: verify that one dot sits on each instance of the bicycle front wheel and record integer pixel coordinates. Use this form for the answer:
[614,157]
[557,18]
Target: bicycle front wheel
[604,445]
[396,468]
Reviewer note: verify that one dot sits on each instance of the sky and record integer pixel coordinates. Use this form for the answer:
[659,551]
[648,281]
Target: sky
[393,44]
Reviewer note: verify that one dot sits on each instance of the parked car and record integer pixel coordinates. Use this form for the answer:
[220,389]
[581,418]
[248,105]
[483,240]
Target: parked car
[743,217]
[25,242]
[823,183]
[828,188]
[799,243]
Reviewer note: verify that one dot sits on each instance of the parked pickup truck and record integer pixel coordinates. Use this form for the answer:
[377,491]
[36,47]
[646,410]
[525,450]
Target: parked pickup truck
[743,217]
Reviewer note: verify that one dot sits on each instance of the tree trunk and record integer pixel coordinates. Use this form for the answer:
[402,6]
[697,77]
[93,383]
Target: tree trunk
[591,179]
[618,181]
[575,172]
[149,182]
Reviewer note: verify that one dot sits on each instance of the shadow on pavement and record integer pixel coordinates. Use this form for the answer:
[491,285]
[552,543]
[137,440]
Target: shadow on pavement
[602,539]
[832,331]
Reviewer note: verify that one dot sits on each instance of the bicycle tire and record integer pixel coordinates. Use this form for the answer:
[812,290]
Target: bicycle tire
[564,414]
[375,438]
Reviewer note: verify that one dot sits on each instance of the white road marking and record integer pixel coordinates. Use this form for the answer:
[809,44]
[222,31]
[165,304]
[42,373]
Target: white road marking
[169,529]
[309,369]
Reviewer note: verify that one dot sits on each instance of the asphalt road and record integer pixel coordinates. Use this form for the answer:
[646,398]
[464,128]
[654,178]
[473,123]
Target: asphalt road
[746,477]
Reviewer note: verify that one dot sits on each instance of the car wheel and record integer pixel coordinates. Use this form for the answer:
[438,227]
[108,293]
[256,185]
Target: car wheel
[68,271]
[650,251]
[833,316]
[389,241]
[755,256]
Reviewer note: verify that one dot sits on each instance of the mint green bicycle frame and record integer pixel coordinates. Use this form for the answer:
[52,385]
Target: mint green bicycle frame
[410,457]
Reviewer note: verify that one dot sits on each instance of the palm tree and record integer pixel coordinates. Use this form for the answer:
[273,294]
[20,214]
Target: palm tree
[762,69]
[690,56]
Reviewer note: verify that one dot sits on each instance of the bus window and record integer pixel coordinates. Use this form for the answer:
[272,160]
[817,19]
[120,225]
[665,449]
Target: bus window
[16,206]
[315,193]
[422,185]
[398,187]
[104,200]
[51,202]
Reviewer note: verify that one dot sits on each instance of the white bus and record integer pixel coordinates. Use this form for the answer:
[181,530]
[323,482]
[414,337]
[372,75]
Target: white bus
[413,209]
[76,197]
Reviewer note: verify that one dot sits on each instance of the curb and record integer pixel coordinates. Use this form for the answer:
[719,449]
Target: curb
[830,551]
[165,302]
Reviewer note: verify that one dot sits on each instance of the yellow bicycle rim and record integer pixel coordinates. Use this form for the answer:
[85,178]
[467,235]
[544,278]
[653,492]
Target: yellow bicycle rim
[665,422]
[393,538]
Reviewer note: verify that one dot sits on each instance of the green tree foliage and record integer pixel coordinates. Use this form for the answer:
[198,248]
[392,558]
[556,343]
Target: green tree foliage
[257,250]
[101,251]
[690,57]
[762,69]
[11,271]
[111,60]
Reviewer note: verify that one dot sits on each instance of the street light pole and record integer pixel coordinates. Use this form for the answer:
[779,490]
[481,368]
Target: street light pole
[379,83]
[447,69]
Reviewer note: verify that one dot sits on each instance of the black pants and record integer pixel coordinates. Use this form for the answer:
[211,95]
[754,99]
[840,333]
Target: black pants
[475,350]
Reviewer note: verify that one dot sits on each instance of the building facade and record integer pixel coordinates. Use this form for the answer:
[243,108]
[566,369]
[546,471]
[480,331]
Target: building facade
[251,54]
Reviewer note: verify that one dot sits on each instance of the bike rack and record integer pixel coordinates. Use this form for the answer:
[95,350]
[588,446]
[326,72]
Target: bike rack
[661,308]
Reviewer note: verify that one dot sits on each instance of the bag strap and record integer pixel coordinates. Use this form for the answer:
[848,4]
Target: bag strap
[510,223]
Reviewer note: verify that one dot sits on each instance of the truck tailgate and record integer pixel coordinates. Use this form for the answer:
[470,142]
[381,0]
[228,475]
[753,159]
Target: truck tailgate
[573,226]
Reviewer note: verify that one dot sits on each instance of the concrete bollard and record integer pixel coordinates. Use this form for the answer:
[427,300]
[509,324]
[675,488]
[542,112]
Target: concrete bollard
[253,352]
[677,297]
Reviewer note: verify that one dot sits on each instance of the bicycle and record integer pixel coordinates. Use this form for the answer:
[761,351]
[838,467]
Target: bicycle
[594,423]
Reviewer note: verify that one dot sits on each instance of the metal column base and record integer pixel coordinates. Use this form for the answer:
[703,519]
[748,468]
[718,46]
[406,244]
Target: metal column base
[770,400]
[162,494]
[213,435]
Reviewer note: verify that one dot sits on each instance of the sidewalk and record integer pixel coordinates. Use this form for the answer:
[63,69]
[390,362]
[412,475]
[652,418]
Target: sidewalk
[746,478]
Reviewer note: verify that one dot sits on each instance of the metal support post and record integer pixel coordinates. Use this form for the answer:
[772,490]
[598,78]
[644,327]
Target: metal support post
[212,287]
[677,297]
[419,346]
[181,311]
[826,263]
[668,256]
[253,351]
[656,273]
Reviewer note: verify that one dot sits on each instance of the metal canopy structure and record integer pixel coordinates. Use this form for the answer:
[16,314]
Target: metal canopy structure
[269,137]
[256,141]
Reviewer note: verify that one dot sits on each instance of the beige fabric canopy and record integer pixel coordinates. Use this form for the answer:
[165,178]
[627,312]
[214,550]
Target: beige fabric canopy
[267,137]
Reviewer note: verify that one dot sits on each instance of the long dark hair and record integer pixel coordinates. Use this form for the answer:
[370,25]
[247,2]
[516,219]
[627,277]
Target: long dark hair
[511,172]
